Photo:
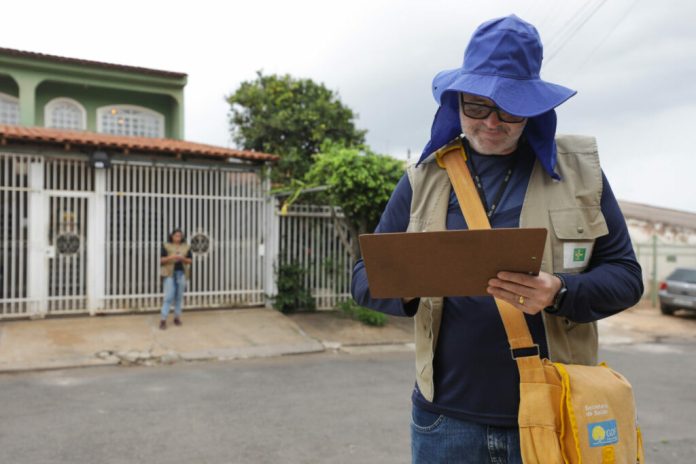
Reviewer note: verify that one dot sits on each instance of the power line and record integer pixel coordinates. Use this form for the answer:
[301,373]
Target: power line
[562,31]
[623,16]
[575,31]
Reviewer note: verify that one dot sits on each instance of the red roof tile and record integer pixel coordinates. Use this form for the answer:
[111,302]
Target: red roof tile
[127,144]
[97,64]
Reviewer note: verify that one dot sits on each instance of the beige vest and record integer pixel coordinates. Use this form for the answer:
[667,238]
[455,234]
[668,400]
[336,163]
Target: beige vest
[569,209]
[167,270]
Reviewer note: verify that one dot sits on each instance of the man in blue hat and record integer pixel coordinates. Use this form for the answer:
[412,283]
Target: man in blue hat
[466,397]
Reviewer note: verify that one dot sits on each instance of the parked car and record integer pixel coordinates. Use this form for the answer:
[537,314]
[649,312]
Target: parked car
[678,291]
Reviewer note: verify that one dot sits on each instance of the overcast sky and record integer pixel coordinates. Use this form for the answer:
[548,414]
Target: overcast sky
[633,63]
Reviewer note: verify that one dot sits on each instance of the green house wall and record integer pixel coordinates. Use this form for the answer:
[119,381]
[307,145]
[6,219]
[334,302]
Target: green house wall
[36,82]
[92,98]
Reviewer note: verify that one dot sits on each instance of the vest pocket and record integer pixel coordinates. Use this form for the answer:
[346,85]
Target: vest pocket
[575,231]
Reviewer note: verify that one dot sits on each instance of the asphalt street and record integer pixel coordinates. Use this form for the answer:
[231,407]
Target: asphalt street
[300,409]
[321,408]
[663,376]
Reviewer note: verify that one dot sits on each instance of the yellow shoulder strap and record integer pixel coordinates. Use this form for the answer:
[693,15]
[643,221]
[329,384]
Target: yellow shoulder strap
[452,157]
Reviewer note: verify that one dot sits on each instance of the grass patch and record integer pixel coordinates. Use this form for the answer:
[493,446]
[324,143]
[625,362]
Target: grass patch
[367,316]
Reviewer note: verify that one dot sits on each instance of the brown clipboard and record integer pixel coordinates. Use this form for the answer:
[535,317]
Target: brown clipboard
[447,263]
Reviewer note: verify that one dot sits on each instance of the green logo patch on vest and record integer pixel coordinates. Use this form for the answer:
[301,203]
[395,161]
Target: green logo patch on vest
[576,255]
[579,254]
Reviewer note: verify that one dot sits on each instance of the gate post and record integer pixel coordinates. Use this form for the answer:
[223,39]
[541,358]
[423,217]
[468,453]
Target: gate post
[271,245]
[96,230]
[37,242]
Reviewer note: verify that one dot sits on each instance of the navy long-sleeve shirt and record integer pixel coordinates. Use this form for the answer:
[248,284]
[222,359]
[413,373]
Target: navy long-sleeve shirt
[474,374]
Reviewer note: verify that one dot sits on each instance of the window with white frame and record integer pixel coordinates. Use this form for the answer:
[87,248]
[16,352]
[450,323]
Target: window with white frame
[65,113]
[130,120]
[9,109]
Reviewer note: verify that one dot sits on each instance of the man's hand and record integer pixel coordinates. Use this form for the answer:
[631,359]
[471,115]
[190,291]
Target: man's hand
[529,294]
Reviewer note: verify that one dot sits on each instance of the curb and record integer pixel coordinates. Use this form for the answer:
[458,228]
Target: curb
[262,351]
[366,348]
[223,354]
[56,365]
[379,348]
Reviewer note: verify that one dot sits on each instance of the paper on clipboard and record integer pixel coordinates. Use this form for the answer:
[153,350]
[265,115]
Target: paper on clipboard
[447,263]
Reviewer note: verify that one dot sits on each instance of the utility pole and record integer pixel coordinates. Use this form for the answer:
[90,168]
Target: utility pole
[653,293]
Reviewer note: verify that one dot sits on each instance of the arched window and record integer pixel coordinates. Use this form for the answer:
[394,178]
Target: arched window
[130,120]
[65,113]
[9,109]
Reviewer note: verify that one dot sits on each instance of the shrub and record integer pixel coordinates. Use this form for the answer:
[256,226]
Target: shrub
[292,295]
[364,315]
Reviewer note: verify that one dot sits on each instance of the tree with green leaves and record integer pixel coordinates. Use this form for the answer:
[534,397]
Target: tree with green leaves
[292,118]
[359,181]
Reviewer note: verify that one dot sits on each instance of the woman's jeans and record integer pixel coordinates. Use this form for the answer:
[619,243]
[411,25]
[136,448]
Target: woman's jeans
[439,439]
[174,287]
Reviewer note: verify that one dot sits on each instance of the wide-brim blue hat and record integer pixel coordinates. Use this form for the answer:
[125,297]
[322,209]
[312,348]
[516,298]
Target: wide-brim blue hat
[502,62]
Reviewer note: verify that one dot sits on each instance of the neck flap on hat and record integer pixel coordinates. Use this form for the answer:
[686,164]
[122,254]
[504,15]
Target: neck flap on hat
[540,132]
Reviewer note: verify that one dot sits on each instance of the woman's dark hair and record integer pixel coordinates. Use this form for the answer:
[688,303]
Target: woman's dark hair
[183,236]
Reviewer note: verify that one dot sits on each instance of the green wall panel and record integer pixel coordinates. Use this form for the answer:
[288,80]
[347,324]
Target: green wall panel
[93,98]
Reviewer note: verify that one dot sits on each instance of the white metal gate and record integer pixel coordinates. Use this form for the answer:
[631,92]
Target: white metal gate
[68,185]
[67,257]
[77,240]
[222,213]
[309,236]
[14,191]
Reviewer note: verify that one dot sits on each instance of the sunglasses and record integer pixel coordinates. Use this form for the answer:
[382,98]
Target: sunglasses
[481,111]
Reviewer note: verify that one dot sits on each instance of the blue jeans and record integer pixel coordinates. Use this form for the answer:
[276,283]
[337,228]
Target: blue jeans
[439,439]
[174,287]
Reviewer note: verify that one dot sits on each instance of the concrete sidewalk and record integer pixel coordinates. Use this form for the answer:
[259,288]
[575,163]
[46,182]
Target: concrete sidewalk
[135,339]
[248,333]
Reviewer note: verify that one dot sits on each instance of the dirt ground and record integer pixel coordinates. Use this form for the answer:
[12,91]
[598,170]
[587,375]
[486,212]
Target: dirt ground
[647,322]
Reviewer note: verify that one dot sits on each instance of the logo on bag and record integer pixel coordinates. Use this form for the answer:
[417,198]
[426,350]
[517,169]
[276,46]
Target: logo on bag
[603,433]
[601,409]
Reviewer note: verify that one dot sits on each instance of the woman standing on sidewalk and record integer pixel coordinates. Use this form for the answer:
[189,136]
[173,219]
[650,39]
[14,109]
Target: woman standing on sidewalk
[175,259]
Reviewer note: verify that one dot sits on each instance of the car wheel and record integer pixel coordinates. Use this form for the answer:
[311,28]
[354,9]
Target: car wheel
[667,310]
